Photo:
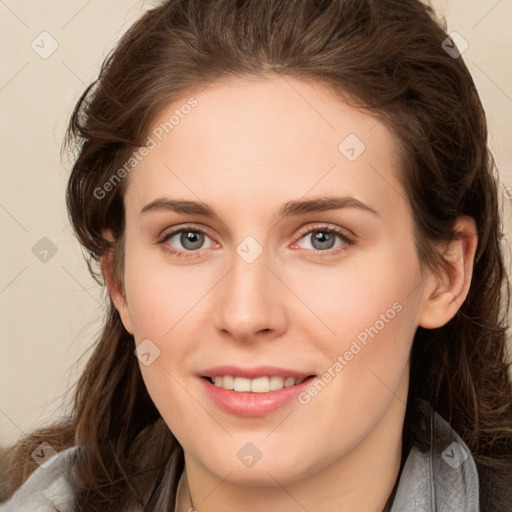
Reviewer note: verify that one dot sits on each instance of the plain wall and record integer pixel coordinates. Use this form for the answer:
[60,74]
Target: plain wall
[50,310]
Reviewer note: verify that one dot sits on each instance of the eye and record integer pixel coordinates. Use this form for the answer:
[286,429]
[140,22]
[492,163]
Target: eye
[185,241]
[324,239]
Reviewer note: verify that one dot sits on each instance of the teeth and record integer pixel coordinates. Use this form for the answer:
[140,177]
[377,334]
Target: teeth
[241,384]
[258,385]
[276,383]
[290,381]
[227,382]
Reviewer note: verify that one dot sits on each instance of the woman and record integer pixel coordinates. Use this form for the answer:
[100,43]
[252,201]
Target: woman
[295,213]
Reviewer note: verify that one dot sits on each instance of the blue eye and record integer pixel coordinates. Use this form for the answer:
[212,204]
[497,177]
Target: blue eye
[324,239]
[321,240]
[190,240]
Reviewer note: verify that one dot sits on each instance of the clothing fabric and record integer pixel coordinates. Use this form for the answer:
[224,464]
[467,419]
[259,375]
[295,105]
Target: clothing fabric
[444,478]
[47,489]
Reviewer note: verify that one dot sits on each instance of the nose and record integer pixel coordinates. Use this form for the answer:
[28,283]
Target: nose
[250,301]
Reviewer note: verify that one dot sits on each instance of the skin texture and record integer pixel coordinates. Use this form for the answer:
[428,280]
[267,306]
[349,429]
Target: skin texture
[250,146]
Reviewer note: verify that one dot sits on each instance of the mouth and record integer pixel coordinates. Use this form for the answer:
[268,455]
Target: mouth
[253,392]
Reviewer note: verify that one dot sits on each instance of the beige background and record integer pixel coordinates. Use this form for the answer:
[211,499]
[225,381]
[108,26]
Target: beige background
[49,311]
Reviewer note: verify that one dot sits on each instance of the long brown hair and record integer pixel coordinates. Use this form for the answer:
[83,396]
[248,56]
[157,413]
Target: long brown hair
[385,57]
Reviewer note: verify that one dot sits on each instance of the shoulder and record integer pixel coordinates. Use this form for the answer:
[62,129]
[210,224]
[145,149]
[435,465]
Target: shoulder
[48,488]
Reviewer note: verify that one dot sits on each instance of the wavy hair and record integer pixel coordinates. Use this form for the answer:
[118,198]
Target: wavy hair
[385,57]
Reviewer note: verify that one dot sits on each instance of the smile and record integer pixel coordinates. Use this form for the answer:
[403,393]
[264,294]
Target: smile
[253,392]
[257,385]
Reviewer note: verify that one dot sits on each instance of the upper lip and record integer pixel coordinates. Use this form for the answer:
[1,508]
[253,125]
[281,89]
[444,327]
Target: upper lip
[253,372]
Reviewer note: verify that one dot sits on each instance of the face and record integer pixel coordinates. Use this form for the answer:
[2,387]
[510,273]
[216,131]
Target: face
[269,243]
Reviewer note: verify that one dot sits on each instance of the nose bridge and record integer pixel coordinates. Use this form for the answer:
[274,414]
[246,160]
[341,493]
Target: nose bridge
[249,301]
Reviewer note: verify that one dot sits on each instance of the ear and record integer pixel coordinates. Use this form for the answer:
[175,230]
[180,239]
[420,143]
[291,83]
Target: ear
[449,287]
[114,285]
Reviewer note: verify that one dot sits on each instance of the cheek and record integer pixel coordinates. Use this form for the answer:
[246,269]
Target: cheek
[159,295]
[370,308]
[369,290]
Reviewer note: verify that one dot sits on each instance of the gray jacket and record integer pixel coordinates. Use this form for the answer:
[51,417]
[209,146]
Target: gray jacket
[443,479]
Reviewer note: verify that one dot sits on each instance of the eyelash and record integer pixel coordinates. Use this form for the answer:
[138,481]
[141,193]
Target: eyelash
[347,240]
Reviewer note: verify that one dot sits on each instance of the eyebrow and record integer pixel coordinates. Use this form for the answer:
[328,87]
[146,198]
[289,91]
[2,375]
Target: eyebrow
[289,209]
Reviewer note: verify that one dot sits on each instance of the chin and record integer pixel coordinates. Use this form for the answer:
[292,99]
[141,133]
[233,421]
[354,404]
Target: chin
[272,467]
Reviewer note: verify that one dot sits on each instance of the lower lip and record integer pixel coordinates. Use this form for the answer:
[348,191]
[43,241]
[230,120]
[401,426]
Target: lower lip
[253,404]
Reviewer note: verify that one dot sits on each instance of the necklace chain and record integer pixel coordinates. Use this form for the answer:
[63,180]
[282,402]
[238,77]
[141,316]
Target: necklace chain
[192,508]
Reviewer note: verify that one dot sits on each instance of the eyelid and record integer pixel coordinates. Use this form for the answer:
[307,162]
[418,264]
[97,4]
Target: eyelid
[325,226]
[185,227]
[167,233]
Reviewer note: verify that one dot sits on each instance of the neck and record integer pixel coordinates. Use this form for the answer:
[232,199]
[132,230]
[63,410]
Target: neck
[363,479]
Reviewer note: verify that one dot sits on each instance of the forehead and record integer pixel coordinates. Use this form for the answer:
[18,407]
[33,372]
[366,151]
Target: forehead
[252,139]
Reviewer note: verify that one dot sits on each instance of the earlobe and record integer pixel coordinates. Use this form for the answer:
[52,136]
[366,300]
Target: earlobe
[450,285]
[115,289]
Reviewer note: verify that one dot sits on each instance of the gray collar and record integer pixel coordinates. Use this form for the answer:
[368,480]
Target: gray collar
[442,478]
